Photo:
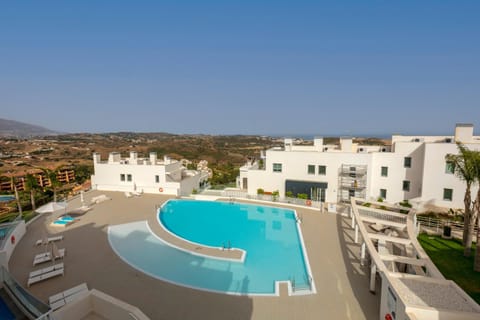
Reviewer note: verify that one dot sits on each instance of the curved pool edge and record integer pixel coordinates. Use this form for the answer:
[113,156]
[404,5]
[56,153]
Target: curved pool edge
[229,254]
[276,293]
[313,288]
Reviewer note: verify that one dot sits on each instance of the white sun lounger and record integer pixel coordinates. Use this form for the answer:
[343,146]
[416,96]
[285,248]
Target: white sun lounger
[46,241]
[128,194]
[60,299]
[45,273]
[47,256]
[99,199]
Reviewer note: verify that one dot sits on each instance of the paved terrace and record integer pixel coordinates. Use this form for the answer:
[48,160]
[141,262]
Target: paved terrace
[340,280]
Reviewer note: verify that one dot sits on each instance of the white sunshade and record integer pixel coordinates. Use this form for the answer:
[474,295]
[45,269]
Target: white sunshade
[52,207]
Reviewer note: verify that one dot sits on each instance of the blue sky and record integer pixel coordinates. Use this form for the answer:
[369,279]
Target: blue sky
[241,67]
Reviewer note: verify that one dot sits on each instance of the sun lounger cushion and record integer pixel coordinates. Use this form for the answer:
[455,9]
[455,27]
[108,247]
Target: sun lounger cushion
[45,273]
[62,298]
[47,256]
[48,240]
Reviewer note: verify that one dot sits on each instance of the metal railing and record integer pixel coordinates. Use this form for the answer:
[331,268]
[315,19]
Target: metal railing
[30,306]
[306,286]
[271,198]
[383,216]
[438,224]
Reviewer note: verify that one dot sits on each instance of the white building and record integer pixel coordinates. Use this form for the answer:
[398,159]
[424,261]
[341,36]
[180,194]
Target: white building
[148,175]
[412,168]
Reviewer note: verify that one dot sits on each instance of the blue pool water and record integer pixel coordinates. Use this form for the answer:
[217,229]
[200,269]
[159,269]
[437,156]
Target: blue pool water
[6,198]
[5,313]
[268,235]
[64,220]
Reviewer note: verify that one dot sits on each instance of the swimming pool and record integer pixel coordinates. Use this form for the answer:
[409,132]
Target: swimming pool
[269,235]
[6,198]
[64,220]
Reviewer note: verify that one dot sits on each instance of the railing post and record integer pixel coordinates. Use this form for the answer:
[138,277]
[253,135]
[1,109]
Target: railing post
[362,254]
[356,233]
[373,274]
[353,221]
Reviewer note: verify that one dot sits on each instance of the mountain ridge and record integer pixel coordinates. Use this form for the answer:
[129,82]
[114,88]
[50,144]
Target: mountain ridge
[17,129]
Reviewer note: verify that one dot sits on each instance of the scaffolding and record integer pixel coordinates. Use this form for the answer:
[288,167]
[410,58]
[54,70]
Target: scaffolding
[352,182]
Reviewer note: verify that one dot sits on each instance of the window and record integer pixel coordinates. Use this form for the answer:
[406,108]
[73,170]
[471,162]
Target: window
[277,167]
[447,194]
[322,170]
[311,169]
[352,175]
[122,177]
[449,167]
[407,162]
[129,177]
[406,185]
[384,172]
[157,179]
[383,193]
[351,193]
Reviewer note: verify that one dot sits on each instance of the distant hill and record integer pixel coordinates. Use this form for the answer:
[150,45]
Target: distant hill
[11,128]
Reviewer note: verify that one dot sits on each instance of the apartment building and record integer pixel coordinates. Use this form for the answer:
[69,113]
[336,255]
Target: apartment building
[412,168]
[149,175]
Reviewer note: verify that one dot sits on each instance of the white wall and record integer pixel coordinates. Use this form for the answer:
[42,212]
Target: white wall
[9,247]
[435,179]
[295,167]
[397,173]
[107,177]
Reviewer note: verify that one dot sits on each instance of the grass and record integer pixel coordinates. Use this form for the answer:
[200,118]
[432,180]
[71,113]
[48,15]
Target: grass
[447,254]
[27,215]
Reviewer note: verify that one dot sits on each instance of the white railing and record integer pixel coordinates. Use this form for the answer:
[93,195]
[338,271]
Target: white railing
[438,224]
[268,197]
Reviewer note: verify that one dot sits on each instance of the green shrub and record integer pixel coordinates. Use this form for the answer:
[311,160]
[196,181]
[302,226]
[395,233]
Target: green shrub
[367,204]
[289,194]
[194,191]
[380,199]
[405,203]
[260,191]
[275,195]
[302,196]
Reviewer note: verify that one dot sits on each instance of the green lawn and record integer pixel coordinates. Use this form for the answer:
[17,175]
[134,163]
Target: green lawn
[27,215]
[448,257]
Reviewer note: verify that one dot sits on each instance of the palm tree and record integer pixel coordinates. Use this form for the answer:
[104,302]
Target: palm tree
[476,208]
[17,198]
[31,185]
[54,183]
[464,167]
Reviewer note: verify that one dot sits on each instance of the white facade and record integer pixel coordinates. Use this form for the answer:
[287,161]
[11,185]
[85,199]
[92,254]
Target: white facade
[412,168]
[148,175]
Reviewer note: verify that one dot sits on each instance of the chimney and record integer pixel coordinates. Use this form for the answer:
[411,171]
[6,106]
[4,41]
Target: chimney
[96,157]
[113,157]
[153,158]
[318,144]
[288,144]
[463,132]
[133,157]
[346,144]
